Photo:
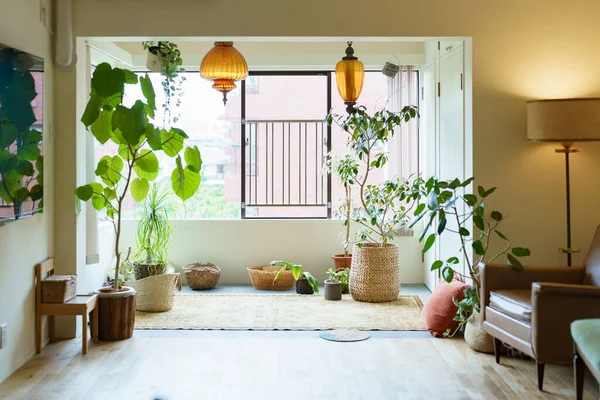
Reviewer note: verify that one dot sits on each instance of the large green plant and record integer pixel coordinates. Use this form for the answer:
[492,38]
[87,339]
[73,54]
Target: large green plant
[172,83]
[138,141]
[451,211]
[21,161]
[154,229]
[384,208]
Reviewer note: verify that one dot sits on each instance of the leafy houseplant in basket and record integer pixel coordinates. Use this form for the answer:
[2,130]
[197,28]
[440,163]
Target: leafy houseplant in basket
[138,141]
[345,169]
[384,208]
[456,213]
[305,282]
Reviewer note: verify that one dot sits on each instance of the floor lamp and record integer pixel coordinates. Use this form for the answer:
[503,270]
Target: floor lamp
[565,121]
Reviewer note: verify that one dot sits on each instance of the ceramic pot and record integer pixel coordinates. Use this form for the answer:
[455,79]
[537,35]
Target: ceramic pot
[303,286]
[476,337]
[333,290]
[375,273]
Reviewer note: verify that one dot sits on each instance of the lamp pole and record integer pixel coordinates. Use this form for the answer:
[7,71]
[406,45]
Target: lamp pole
[567,149]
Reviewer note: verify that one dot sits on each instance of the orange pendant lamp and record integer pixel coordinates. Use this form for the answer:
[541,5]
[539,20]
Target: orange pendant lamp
[224,65]
[349,76]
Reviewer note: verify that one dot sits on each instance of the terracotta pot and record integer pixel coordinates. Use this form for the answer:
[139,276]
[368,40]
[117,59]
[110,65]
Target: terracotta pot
[303,286]
[116,313]
[375,273]
[476,337]
[333,290]
[341,261]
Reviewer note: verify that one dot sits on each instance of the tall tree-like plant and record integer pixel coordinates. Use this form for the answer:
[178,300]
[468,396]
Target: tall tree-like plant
[384,208]
[138,141]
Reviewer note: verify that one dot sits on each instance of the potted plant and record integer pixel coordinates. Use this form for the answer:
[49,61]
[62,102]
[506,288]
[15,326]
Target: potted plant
[384,208]
[345,169]
[305,282]
[138,141]
[165,57]
[334,285]
[456,213]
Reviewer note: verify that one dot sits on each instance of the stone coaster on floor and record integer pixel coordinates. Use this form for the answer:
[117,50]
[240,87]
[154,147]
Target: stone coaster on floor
[343,335]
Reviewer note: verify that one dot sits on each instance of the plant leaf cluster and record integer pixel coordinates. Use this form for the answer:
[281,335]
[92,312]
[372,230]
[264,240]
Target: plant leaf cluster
[297,272]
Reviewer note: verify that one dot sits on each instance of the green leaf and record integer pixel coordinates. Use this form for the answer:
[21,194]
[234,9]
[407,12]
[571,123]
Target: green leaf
[501,235]
[147,165]
[107,81]
[464,231]
[514,262]
[453,260]
[448,274]
[148,91]
[521,252]
[193,159]
[429,242]
[478,247]
[139,189]
[419,209]
[117,164]
[102,127]
[25,168]
[84,192]
[478,220]
[480,210]
[296,271]
[470,199]
[92,110]
[496,216]
[130,77]
[8,134]
[437,265]
[131,122]
[98,202]
[109,193]
[154,137]
[172,141]
[441,226]
[184,181]
[488,192]
[467,182]
[481,191]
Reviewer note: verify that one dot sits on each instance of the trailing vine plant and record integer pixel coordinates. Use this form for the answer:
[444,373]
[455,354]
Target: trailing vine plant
[172,84]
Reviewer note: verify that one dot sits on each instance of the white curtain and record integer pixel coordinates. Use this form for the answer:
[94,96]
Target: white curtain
[404,147]
[92,254]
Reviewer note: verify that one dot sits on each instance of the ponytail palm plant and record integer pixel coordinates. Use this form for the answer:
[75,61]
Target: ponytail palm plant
[154,229]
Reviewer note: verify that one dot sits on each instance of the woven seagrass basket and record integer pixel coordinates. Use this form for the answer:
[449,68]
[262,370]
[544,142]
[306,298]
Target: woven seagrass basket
[477,338]
[375,273]
[202,276]
[263,279]
[156,293]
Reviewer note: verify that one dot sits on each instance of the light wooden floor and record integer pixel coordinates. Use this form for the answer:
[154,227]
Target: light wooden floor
[285,367]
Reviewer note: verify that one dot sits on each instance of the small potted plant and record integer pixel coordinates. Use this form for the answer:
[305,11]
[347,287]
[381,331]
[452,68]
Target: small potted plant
[333,285]
[305,282]
[346,169]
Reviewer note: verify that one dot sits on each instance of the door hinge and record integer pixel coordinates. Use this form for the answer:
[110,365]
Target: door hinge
[328,204]
[422,93]
[439,89]
[438,44]
[243,205]
[461,82]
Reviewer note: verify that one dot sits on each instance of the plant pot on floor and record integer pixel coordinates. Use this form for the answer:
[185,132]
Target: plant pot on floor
[476,337]
[303,286]
[116,313]
[333,290]
[156,293]
[375,273]
[154,59]
[341,261]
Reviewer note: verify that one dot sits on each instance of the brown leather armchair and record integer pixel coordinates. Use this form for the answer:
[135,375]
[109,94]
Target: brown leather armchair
[531,310]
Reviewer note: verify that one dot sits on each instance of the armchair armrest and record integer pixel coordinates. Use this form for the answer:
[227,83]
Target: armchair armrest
[553,307]
[497,277]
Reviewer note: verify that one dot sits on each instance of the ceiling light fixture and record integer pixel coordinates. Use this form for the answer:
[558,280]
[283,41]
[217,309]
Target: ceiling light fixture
[224,65]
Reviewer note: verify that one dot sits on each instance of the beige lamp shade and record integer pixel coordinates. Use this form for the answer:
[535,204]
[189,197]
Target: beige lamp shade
[563,120]
[224,65]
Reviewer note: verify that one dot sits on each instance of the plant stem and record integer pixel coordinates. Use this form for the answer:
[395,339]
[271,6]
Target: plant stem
[119,212]
[348,205]
[464,251]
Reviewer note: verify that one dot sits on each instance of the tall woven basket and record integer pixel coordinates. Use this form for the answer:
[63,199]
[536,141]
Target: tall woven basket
[202,276]
[476,337]
[375,273]
[156,293]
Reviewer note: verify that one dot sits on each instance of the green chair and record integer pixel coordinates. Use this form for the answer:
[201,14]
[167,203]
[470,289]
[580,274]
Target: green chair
[586,340]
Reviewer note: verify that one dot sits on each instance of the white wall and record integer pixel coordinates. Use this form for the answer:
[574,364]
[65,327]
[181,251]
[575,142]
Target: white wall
[236,244]
[25,242]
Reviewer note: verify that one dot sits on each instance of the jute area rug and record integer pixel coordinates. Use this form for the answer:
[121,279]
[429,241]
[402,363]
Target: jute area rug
[284,312]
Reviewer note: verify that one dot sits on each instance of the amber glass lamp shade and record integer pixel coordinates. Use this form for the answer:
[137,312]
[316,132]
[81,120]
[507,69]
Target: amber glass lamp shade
[224,65]
[349,76]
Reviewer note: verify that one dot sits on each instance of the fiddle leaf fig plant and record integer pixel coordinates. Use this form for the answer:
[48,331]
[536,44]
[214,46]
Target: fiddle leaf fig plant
[451,211]
[384,208]
[138,141]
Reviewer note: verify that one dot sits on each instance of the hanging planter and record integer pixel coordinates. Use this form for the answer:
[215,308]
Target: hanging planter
[154,59]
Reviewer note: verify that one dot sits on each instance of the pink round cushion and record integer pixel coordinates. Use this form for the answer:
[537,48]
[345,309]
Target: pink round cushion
[439,311]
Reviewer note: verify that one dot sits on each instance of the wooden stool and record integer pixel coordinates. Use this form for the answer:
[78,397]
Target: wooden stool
[82,304]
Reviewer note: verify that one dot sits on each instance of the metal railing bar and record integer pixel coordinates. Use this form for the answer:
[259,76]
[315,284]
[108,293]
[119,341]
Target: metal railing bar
[306,163]
[268,121]
[299,162]
[316,162]
[273,162]
[266,163]
[283,163]
[287,205]
[289,162]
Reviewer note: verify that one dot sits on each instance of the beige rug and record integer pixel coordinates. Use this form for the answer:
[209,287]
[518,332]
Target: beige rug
[284,312]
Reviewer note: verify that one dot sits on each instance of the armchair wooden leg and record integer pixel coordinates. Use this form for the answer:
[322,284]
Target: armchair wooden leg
[38,333]
[579,372]
[84,333]
[497,349]
[540,374]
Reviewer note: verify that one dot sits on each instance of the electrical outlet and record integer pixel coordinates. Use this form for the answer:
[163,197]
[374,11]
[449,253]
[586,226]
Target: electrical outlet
[3,336]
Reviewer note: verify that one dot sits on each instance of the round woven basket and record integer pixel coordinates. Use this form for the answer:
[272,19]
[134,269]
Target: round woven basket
[263,280]
[477,338]
[156,293]
[375,273]
[202,276]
